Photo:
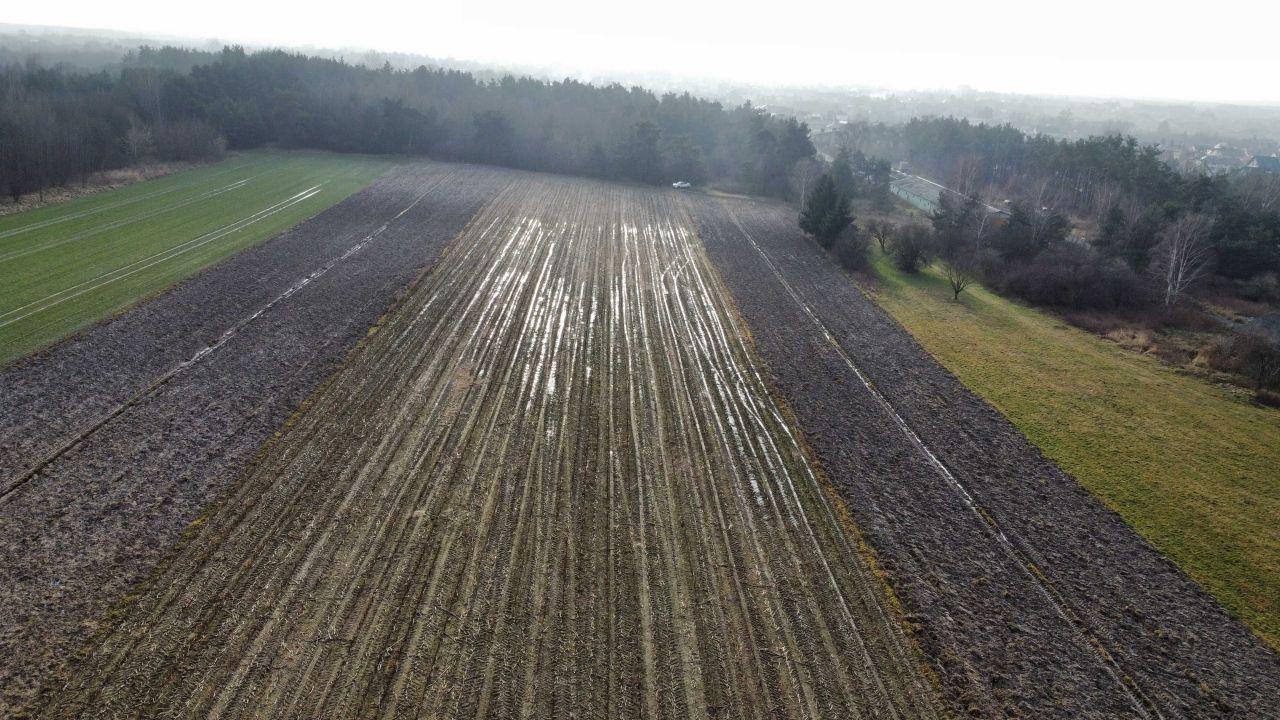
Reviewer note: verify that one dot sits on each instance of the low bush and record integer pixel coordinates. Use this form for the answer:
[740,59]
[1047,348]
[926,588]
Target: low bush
[1247,353]
[1071,276]
[911,247]
[850,249]
[1261,288]
[1183,317]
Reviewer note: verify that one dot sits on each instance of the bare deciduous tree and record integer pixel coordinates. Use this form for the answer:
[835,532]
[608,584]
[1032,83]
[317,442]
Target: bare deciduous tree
[1105,196]
[959,275]
[882,232]
[1040,198]
[137,142]
[966,174]
[805,171]
[1184,255]
[1036,191]
[1260,191]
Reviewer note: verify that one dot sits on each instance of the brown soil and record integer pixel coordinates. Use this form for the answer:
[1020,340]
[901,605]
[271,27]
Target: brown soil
[551,485]
[1032,599]
[113,441]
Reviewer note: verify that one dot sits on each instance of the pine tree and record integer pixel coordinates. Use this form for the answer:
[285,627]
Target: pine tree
[842,173]
[826,212]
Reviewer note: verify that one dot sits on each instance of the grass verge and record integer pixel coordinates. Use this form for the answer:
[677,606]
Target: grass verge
[1192,466]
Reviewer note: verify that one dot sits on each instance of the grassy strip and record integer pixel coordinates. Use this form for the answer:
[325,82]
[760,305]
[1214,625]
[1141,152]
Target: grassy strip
[1194,467]
[64,267]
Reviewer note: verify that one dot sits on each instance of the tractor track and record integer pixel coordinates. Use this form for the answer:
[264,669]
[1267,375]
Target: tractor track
[105,227]
[35,307]
[11,485]
[233,166]
[1140,704]
[116,439]
[1031,599]
[551,485]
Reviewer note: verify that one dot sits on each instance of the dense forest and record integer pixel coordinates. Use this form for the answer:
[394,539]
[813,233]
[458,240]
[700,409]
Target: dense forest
[58,125]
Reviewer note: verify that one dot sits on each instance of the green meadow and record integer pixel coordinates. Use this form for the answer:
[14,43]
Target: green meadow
[64,267]
[1193,467]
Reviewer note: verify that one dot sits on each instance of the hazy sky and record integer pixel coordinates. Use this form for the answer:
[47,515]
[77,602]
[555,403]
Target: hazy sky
[1225,50]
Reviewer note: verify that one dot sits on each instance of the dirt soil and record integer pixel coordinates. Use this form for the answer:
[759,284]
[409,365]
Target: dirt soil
[113,441]
[1031,598]
[552,485]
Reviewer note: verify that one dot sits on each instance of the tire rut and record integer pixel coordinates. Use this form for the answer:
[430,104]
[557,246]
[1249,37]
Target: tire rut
[553,484]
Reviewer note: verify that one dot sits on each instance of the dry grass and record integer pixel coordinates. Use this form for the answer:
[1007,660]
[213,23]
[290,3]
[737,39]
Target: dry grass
[93,184]
[1190,464]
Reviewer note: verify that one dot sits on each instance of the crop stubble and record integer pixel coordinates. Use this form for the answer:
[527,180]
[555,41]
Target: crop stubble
[552,485]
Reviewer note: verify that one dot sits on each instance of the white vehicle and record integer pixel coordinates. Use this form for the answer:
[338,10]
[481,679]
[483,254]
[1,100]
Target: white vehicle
[681,185]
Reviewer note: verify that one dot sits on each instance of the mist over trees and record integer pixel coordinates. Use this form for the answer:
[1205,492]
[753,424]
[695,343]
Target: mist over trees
[1130,201]
[58,125]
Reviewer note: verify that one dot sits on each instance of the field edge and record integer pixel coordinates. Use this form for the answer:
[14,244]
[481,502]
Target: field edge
[873,284]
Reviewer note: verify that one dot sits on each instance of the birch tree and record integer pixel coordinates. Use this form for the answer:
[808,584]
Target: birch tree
[1184,255]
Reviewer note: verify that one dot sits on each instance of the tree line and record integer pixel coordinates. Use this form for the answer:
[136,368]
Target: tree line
[59,125]
[1143,217]
[1155,234]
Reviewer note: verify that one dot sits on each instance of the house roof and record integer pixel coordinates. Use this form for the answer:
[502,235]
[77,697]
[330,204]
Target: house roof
[1268,163]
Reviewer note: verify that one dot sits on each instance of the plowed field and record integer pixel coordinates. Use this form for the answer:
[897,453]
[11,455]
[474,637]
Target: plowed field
[1032,598]
[115,440]
[552,485]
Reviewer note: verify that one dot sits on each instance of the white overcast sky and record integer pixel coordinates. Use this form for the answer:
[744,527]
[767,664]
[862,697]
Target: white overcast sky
[1226,50]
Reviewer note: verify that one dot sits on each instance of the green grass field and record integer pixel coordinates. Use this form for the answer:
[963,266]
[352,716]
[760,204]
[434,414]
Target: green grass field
[64,267]
[1194,467]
